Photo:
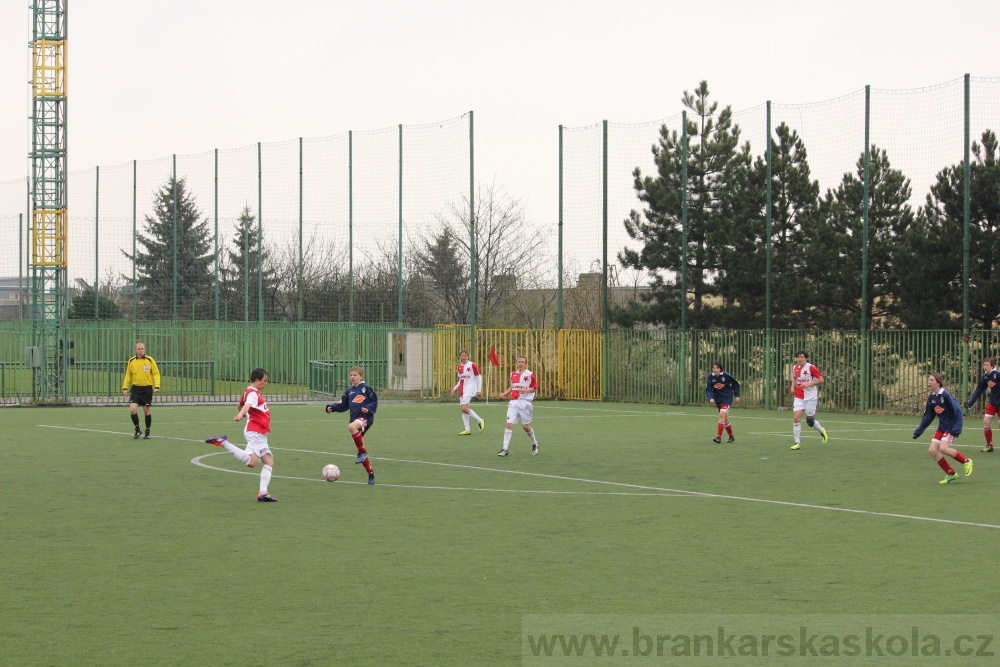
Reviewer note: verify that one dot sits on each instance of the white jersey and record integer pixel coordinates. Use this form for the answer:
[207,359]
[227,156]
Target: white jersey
[524,385]
[470,382]
[802,375]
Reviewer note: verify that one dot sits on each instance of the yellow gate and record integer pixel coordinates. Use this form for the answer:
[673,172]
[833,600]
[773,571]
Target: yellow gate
[567,361]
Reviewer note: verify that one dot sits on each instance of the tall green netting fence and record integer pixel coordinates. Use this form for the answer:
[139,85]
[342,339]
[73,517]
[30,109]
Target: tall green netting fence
[854,174]
[305,230]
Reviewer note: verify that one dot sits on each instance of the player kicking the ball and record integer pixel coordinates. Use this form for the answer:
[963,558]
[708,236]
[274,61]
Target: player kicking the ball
[258,426]
[523,384]
[360,400]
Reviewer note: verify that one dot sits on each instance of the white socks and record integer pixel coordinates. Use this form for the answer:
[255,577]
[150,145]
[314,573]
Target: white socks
[506,438]
[531,436]
[465,421]
[797,432]
[472,413]
[817,426]
[265,477]
[240,455]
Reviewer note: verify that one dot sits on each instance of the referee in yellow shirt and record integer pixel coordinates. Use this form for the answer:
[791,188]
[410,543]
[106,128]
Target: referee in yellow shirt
[142,375]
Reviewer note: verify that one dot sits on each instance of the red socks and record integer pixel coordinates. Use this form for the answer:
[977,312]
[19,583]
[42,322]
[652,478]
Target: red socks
[719,431]
[960,457]
[988,433]
[943,462]
[359,442]
[729,429]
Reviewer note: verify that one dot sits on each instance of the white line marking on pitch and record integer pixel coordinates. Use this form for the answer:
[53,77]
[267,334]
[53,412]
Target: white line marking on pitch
[699,494]
[197,461]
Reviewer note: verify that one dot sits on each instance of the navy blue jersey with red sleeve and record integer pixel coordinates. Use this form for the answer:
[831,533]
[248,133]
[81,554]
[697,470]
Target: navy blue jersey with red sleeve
[989,382]
[722,388]
[945,407]
[361,401]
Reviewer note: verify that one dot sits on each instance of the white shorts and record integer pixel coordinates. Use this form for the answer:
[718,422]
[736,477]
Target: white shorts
[808,405]
[519,409]
[256,443]
[465,400]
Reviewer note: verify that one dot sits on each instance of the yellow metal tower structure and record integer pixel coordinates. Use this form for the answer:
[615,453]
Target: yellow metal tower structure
[47,357]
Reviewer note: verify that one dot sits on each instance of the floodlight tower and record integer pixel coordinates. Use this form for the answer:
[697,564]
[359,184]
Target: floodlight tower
[47,357]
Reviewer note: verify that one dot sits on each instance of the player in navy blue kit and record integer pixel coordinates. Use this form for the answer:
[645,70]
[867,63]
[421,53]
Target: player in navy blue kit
[943,405]
[990,381]
[360,400]
[722,390]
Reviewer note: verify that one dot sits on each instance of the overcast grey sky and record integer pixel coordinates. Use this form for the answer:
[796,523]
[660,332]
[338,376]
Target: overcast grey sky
[147,79]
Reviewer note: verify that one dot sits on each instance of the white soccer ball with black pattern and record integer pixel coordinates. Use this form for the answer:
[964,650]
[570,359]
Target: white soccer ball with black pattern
[331,473]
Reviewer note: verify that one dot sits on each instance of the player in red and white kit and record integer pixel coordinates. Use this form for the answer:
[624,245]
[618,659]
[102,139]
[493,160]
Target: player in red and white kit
[523,384]
[258,425]
[805,377]
[470,384]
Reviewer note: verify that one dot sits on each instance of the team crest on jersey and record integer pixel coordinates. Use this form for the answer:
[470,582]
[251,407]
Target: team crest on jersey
[719,385]
[991,383]
[359,398]
[939,409]
[145,368]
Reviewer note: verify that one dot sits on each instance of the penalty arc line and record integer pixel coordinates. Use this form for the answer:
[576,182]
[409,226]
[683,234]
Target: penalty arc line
[700,494]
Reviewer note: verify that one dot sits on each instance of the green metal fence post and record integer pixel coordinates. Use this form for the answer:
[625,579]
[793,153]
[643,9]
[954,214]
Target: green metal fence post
[399,236]
[768,352]
[260,235]
[299,309]
[604,263]
[863,394]
[559,293]
[682,361]
[20,265]
[966,215]
[174,205]
[350,226]
[135,292]
[97,239]
[215,235]
[474,265]
[302,369]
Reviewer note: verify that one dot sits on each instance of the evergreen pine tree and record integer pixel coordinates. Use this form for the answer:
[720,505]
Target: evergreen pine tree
[932,295]
[248,266]
[154,261]
[717,168]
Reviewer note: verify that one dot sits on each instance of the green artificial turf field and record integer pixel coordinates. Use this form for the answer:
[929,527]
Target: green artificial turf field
[116,551]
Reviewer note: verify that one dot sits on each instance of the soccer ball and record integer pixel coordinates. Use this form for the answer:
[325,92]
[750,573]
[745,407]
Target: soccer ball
[331,473]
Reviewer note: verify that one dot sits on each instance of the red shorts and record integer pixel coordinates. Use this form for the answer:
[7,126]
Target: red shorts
[724,406]
[990,410]
[941,435]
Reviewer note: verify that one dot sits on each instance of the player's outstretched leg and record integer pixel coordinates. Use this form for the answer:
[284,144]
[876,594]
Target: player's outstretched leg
[222,441]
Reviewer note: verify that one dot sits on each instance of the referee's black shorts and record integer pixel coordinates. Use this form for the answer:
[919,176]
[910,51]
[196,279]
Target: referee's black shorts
[141,395]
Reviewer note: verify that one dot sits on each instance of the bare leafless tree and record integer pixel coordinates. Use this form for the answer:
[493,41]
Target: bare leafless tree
[511,267]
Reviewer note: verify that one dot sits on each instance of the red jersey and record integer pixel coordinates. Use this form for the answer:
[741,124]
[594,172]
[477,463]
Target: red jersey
[258,417]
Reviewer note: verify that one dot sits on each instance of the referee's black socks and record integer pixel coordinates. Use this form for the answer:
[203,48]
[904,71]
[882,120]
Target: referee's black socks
[135,420]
